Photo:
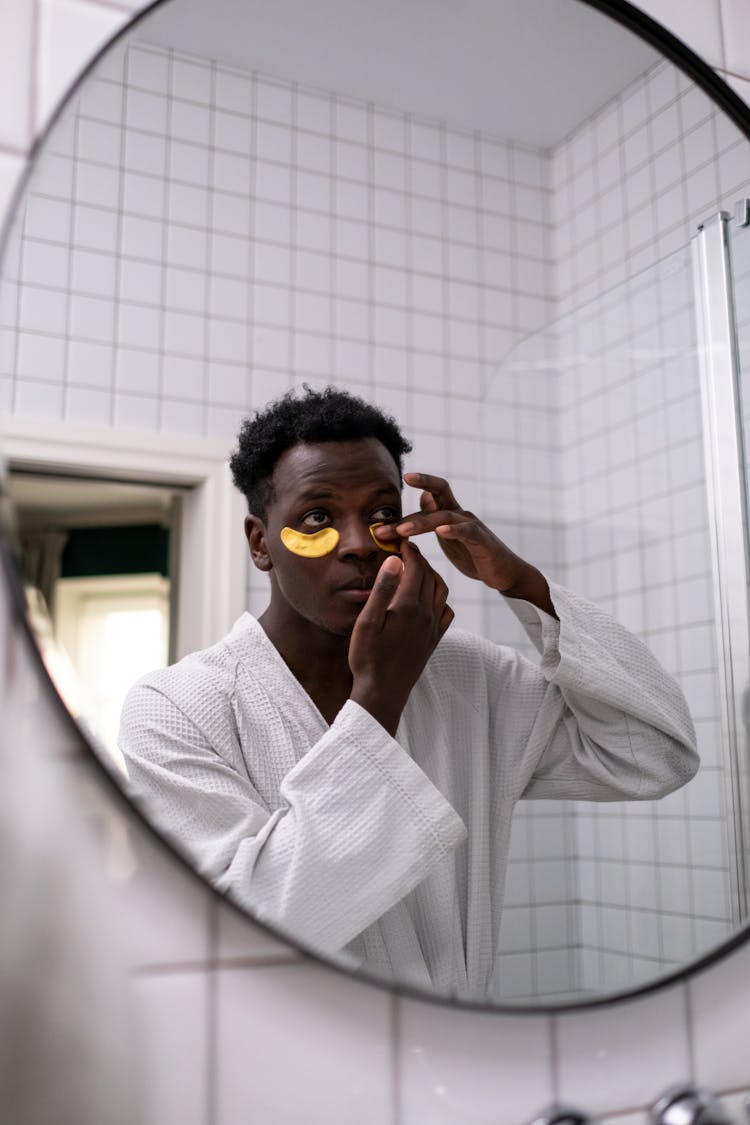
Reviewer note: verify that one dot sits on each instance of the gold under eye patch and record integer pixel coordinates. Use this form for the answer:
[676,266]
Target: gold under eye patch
[319,543]
[392,547]
[312,546]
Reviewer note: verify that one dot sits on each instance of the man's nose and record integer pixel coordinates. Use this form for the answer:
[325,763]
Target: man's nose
[355,539]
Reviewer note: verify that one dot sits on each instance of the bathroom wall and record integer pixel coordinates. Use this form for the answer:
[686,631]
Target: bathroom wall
[233,1024]
[624,519]
[663,160]
[634,484]
[637,536]
[183,201]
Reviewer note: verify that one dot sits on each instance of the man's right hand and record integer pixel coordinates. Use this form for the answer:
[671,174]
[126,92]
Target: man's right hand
[396,633]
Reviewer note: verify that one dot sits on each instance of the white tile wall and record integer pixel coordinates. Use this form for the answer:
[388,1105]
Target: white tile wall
[191,218]
[596,1059]
[173,1025]
[454,1064]
[337,1041]
[626,470]
[17,65]
[70,32]
[622,1061]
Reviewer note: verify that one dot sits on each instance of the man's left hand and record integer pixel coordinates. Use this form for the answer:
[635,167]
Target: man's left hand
[468,543]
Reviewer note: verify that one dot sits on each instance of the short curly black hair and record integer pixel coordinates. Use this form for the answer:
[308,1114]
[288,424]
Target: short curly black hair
[310,416]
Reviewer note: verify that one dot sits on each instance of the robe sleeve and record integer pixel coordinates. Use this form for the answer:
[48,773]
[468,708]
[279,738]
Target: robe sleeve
[359,825]
[609,723]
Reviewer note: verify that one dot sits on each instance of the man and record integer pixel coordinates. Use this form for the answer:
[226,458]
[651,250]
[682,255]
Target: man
[346,766]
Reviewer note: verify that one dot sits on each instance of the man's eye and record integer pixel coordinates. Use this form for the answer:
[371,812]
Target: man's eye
[385,515]
[315,520]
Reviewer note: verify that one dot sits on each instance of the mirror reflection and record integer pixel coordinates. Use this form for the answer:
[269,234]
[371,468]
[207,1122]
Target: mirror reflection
[96,563]
[506,264]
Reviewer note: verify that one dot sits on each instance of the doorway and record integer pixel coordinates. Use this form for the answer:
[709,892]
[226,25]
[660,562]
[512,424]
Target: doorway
[100,561]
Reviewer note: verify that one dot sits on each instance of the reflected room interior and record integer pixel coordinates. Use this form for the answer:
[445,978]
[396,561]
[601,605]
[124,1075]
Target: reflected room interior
[99,571]
[218,217]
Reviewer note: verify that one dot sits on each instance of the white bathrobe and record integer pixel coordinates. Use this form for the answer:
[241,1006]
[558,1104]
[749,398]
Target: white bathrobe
[392,851]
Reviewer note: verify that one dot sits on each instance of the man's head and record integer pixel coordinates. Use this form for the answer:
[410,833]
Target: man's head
[314,461]
[309,417]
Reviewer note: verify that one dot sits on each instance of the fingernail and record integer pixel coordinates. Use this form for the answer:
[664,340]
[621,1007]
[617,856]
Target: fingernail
[404,528]
[392,565]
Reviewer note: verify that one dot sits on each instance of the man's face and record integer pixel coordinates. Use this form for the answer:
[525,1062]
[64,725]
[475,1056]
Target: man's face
[347,485]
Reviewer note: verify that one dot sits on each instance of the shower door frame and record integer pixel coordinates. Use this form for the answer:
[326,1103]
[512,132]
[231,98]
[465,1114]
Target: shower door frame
[726,493]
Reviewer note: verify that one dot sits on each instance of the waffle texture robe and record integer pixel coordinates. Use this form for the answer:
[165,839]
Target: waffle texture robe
[392,852]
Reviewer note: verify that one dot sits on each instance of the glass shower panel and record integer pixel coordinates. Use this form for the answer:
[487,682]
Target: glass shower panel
[740,274]
[593,469]
[739,269]
[727,506]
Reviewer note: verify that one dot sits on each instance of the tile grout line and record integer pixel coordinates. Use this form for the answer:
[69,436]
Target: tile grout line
[395,1058]
[213,1014]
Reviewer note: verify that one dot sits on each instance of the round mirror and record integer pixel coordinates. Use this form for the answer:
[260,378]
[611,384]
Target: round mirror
[523,232]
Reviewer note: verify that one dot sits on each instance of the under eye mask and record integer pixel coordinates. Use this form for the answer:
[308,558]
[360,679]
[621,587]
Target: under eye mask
[312,546]
[319,543]
[391,547]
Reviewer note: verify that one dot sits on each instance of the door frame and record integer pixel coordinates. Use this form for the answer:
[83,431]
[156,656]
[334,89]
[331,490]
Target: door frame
[212,553]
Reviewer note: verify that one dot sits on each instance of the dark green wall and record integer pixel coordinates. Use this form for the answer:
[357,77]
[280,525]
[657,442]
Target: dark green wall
[137,549]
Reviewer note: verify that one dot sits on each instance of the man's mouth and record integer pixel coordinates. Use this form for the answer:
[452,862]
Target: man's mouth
[357,591]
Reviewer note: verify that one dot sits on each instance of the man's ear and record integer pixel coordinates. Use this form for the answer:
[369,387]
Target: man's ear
[255,533]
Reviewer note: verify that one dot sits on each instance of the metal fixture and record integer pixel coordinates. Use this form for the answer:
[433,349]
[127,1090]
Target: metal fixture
[742,212]
[562,1115]
[684,1104]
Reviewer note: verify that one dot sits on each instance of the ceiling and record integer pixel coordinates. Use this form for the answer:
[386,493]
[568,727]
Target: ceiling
[525,70]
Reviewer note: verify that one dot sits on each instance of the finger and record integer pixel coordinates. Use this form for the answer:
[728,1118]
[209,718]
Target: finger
[438,486]
[433,584]
[446,617]
[387,582]
[418,523]
[468,531]
[411,583]
[440,595]
[428,503]
[434,589]
[387,532]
